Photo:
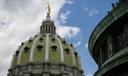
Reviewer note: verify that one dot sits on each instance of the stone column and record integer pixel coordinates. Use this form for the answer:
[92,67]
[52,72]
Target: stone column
[26,74]
[65,74]
[74,71]
[46,73]
[100,57]
[62,68]
[110,46]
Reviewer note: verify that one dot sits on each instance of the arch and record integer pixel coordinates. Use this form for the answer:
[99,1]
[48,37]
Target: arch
[54,48]
[41,39]
[22,44]
[66,50]
[76,54]
[25,55]
[64,42]
[54,55]
[17,53]
[71,45]
[30,40]
[39,48]
[53,40]
[38,54]
[26,49]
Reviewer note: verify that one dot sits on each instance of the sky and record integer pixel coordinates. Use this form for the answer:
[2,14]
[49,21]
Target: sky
[74,19]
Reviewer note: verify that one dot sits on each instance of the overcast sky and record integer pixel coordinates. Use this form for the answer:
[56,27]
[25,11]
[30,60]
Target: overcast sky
[21,19]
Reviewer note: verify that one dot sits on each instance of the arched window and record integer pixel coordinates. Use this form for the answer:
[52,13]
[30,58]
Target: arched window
[53,39]
[54,48]
[22,44]
[64,42]
[36,35]
[58,36]
[39,48]
[76,54]
[26,49]
[67,50]
[41,39]
[17,52]
[30,40]
[71,45]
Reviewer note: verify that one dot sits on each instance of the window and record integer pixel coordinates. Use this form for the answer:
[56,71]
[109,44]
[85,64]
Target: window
[71,45]
[22,44]
[53,39]
[59,36]
[41,39]
[64,42]
[54,48]
[30,40]
[36,35]
[17,52]
[76,54]
[67,50]
[39,48]
[26,49]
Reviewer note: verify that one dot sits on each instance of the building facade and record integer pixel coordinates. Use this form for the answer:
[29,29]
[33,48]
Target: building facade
[46,54]
[108,43]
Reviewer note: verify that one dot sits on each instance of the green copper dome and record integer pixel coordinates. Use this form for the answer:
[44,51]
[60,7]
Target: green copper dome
[46,54]
[47,47]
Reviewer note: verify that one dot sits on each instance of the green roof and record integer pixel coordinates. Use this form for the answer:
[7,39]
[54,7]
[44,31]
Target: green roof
[46,48]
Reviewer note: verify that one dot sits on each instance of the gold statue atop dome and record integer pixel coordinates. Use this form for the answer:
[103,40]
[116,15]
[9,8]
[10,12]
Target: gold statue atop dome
[49,10]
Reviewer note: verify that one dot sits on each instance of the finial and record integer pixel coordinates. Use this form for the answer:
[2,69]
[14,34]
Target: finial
[49,9]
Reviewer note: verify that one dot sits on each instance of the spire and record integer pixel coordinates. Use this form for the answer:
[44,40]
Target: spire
[49,10]
[48,13]
[48,25]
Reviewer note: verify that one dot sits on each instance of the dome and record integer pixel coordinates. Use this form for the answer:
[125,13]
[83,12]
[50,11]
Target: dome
[46,54]
[46,48]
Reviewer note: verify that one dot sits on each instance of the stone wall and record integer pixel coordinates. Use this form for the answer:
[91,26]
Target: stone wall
[44,69]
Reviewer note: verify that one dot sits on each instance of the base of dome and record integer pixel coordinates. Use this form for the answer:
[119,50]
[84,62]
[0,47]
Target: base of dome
[44,69]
